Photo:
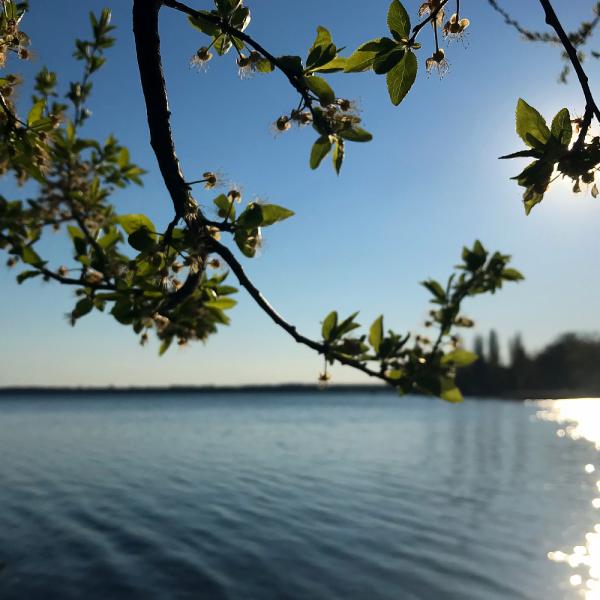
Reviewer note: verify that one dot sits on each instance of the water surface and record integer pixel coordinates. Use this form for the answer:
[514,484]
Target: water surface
[297,496]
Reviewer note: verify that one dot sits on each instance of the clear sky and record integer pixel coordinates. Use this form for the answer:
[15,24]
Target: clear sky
[401,210]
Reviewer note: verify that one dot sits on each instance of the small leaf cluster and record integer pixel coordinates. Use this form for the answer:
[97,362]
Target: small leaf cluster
[228,14]
[422,365]
[12,39]
[390,56]
[550,147]
[247,227]
[334,119]
[120,263]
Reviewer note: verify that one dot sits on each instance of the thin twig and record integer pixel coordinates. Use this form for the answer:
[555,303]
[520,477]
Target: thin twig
[296,81]
[78,282]
[226,254]
[430,19]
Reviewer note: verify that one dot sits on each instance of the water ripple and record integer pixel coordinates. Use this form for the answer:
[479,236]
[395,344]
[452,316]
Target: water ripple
[287,498]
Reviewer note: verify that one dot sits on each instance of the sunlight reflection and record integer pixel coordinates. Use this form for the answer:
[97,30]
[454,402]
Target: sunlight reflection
[579,419]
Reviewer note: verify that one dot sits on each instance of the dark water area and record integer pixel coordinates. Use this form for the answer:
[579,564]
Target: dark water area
[295,496]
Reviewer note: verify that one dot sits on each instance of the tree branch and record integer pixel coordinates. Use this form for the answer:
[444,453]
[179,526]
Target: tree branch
[430,19]
[296,81]
[591,108]
[145,16]
[226,254]
[147,43]
[78,282]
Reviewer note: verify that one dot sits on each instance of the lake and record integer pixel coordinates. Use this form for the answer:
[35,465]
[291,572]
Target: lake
[298,496]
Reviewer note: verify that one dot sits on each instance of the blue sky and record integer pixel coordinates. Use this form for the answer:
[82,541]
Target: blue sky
[403,207]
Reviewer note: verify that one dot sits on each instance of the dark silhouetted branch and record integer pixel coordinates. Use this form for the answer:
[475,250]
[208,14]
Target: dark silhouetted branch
[430,19]
[591,109]
[226,254]
[147,43]
[145,14]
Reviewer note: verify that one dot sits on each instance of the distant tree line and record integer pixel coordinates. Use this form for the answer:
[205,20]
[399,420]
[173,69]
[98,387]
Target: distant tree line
[569,364]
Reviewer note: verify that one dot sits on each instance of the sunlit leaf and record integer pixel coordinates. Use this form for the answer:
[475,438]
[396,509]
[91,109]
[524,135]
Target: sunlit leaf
[531,126]
[398,20]
[401,78]
[376,333]
[320,150]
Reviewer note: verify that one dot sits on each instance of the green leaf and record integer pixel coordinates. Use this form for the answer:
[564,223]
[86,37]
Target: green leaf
[396,374]
[450,393]
[561,128]
[30,257]
[320,150]
[337,64]
[225,290]
[322,51]
[401,78]
[247,241]
[531,126]
[475,258]
[204,25]
[21,277]
[435,288]
[321,88]
[131,223]
[523,154]
[271,213]
[226,207]
[347,325]
[252,217]
[292,64]
[264,66]
[530,199]
[221,303]
[338,155]
[240,19]
[36,113]
[45,124]
[329,326]
[222,44]
[363,57]
[226,7]
[82,308]
[459,358]
[142,240]
[376,333]
[75,232]
[111,238]
[165,346]
[10,9]
[123,158]
[356,134]
[536,178]
[323,38]
[512,275]
[398,20]
[122,312]
[383,63]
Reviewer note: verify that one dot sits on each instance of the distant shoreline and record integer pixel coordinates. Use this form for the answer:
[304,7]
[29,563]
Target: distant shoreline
[291,388]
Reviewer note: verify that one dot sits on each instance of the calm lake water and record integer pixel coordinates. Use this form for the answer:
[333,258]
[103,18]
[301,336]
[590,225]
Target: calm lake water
[299,496]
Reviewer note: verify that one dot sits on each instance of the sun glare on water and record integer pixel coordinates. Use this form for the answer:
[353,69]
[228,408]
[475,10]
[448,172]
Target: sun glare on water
[579,420]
